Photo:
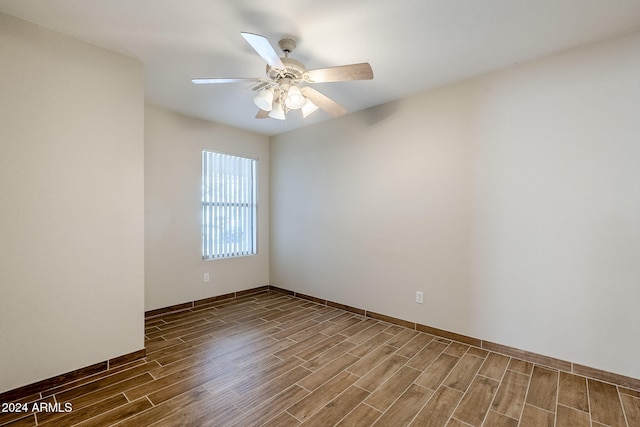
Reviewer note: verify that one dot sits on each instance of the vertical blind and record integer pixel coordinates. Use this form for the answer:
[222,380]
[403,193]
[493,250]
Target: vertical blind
[228,206]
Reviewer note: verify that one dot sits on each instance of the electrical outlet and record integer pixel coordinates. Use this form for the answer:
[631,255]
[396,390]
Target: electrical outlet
[419,297]
[206,277]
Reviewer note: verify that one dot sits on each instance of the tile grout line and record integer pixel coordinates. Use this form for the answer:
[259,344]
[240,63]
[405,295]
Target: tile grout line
[451,388]
[526,394]
[555,415]
[624,411]
[439,385]
[425,403]
[354,408]
[375,409]
[494,395]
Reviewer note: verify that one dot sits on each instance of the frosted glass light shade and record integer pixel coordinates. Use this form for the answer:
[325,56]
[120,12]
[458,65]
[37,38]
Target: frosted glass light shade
[277,112]
[294,100]
[264,100]
[308,108]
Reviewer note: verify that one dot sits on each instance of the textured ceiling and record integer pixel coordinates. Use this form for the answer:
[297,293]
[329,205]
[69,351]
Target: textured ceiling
[412,45]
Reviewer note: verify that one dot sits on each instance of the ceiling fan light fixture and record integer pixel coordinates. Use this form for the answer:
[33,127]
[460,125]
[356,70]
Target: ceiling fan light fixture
[277,112]
[264,100]
[294,100]
[308,108]
[279,91]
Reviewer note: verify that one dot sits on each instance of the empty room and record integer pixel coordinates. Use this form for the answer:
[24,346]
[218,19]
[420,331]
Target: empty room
[338,213]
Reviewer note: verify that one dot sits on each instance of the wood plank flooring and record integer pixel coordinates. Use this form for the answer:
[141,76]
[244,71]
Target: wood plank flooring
[273,360]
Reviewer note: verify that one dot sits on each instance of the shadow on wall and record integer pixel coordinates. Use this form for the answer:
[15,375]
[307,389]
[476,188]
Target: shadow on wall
[380,113]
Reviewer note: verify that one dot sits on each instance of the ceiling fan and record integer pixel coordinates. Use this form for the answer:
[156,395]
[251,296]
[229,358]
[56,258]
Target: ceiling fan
[286,86]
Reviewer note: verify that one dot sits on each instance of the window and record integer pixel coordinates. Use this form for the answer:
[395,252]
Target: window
[228,206]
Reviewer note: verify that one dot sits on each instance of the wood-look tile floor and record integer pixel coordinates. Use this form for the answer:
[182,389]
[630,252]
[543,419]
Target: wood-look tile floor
[274,360]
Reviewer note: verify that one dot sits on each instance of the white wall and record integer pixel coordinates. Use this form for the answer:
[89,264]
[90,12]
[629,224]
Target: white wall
[174,268]
[71,202]
[511,200]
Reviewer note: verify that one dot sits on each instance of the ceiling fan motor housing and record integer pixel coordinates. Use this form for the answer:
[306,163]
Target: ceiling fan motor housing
[294,70]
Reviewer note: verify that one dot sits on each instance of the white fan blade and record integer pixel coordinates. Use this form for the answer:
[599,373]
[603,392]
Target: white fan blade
[207,81]
[262,46]
[323,102]
[341,73]
[262,114]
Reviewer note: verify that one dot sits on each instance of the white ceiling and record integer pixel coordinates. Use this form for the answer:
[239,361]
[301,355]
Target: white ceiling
[412,45]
